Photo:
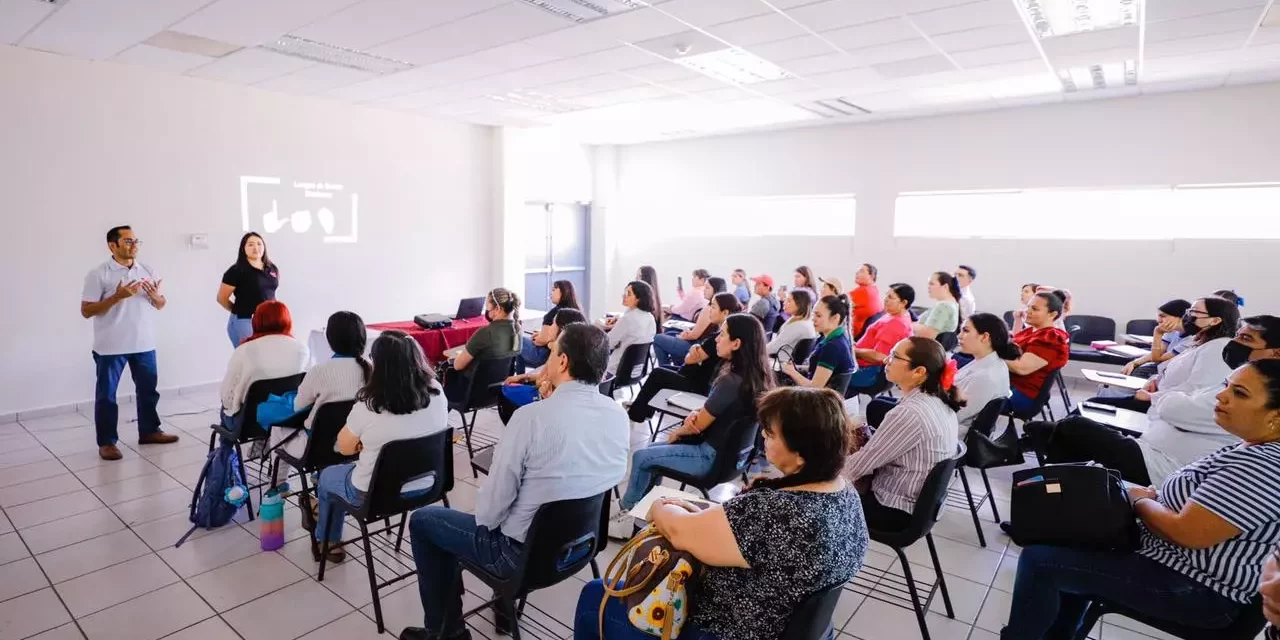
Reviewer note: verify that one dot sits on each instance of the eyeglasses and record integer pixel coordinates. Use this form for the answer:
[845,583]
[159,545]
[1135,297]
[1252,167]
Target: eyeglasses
[129,242]
[894,357]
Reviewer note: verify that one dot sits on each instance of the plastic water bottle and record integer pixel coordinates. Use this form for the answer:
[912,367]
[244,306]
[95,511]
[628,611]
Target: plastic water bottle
[271,521]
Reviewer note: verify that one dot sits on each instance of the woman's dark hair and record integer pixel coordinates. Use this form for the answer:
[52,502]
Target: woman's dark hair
[1053,301]
[871,270]
[1225,310]
[1230,296]
[401,382]
[718,284]
[804,305]
[949,281]
[905,292]
[242,258]
[837,306]
[927,353]
[568,295]
[649,275]
[727,302]
[645,301]
[702,274]
[751,361]
[996,329]
[813,424]
[347,338]
[566,317]
[1269,369]
[809,279]
[1176,307]
[1033,285]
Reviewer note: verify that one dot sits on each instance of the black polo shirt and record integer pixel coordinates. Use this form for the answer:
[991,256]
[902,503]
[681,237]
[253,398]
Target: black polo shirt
[253,287]
[702,374]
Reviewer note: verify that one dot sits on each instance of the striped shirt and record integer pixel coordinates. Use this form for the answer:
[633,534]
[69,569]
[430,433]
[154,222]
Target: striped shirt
[1239,484]
[915,435]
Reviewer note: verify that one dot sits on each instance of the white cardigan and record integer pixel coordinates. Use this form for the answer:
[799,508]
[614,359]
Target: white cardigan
[792,331]
[634,327]
[1197,368]
[1181,430]
[274,356]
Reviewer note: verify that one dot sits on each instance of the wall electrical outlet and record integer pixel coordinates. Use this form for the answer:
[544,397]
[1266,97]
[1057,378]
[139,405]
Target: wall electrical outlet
[198,241]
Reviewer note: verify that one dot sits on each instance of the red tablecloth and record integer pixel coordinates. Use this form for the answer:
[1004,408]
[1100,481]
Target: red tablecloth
[435,341]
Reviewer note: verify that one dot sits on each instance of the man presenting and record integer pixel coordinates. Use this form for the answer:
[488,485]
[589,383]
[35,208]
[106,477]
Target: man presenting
[122,296]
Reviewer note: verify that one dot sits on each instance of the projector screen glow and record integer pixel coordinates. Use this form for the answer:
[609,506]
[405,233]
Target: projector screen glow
[269,206]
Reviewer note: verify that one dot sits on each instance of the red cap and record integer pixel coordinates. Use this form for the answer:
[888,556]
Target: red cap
[766,279]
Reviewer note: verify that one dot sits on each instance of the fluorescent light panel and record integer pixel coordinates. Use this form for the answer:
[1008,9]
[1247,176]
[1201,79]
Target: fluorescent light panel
[583,11]
[1063,17]
[734,66]
[334,55]
[1099,76]
[534,100]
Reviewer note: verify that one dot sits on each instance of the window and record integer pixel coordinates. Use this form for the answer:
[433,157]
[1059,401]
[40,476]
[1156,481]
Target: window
[818,215]
[1155,213]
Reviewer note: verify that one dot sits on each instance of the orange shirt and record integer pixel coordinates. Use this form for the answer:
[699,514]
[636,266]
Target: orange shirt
[866,303]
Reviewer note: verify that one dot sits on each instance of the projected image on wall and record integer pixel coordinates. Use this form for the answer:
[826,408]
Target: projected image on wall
[322,209]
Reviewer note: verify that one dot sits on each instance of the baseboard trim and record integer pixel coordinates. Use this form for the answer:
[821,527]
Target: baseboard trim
[86,406]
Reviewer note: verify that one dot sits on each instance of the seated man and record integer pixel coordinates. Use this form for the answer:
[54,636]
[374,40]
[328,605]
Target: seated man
[572,445]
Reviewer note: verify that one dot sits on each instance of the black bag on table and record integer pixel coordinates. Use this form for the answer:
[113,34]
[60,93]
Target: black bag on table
[1084,506]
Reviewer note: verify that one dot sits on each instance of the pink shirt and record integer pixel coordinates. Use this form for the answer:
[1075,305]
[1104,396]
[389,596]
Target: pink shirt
[883,334]
[692,302]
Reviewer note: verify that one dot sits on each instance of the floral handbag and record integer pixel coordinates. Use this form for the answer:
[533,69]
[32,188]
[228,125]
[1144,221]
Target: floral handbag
[651,579]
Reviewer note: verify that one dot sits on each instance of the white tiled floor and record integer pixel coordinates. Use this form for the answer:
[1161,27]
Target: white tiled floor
[86,551]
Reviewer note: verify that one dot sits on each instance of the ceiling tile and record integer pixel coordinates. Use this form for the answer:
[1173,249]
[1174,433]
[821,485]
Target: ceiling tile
[967,16]
[996,55]
[573,41]
[769,27]
[871,34]
[250,66]
[701,13]
[696,84]
[983,37]
[778,87]
[661,72]
[588,85]
[1265,35]
[792,48]
[101,29]
[914,67]
[477,32]
[316,79]
[837,14]
[17,17]
[250,22]
[374,22]
[620,96]
[688,42]
[1239,22]
[1170,9]
[848,80]
[637,25]
[515,55]
[815,65]
[1254,76]
[1220,42]
[724,95]
[160,59]
[414,80]
[895,51]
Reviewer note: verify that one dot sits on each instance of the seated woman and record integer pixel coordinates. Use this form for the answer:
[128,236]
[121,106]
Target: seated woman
[944,315]
[334,380]
[524,388]
[877,341]
[986,338]
[1168,340]
[637,325]
[401,401]
[270,352]
[915,435]
[1210,324]
[1045,349]
[799,326]
[1204,533]
[691,447]
[533,349]
[833,355]
[498,339]
[766,551]
[670,350]
[803,279]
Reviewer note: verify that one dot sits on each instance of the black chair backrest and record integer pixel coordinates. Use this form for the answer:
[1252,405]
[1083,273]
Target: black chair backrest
[987,419]
[633,365]
[1091,328]
[1140,327]
[257,394]
[803,349]
[484,380]
[777,324]
[403,461]
[948,340]
[916,312]
[733,455]
[933,493]
[1008,318]
[561,540]
[812,618]
[840,382]
[329,420]
[1042,398]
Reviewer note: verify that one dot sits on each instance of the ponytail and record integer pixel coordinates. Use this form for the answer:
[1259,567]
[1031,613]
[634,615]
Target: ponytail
[509,302]
[927,353]
[998,332]
[366,369]
[950,282]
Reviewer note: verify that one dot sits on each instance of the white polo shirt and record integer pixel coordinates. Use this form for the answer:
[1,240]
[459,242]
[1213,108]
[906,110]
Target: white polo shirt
[129,326]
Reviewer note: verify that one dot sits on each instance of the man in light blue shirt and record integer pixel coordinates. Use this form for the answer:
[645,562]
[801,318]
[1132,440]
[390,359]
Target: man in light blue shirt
[574,444]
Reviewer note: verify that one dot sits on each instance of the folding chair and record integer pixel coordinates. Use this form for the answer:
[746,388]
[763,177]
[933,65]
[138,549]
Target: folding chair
[1245,627]
[732,459]
[987,452]
[633,366]
[811,620]
[481,388]
[245,427]
[329,419]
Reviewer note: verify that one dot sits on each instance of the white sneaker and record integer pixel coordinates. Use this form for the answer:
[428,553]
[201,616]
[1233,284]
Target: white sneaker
[622,526]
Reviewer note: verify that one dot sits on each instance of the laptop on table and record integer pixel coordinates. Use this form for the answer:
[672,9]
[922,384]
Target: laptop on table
[469,308]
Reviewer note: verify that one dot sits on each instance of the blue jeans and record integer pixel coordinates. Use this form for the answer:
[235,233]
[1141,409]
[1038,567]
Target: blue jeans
[531,356]
[686,458]
[106,412]
[586,622]
[440,536]
[1020,402]
[865,376]
[335,481]
[1054,585]
[238,329]
[670,350]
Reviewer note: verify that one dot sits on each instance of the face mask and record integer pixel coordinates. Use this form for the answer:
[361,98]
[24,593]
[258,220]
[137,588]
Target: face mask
[487,317]
[1189,326]
[1236,354]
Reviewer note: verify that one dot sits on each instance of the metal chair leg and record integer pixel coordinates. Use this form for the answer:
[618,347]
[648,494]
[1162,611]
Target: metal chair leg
[326,527]
[248,494]
[400,535]
[513,615]
[991,497]
[916,605]
[942,581]
[595,569]
[973,511]
[373,577]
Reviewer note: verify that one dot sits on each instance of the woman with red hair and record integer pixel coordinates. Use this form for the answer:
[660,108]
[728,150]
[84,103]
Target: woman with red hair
[271,352]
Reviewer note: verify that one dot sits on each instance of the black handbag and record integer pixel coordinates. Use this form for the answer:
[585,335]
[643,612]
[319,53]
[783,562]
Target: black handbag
[1083,506]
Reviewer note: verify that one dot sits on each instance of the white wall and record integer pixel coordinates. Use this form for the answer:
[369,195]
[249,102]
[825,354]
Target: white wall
[1222,136]
[84,146]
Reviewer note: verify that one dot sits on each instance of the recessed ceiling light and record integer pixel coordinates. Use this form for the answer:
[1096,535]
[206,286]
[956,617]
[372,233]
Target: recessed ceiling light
[334,55]
[1099,76]
[187,43]
[582,11]
[734,66]
[1064,17]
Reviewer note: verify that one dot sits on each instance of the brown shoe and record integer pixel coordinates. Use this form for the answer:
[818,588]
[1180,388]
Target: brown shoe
[158,437]
[109,452]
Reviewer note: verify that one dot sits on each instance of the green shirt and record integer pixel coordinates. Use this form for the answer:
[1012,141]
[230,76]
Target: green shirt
[944,316]
[494,340]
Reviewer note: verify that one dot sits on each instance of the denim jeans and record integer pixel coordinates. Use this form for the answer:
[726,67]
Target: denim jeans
[670,350]
[1021,402]
[586,622]
[238,329]
[106,412]
[685,458]
[335,481]
[865,376]
[440,536]
[1054,585]
[531,356]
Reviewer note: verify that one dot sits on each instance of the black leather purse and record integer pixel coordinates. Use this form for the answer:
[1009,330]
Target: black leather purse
[1083,506]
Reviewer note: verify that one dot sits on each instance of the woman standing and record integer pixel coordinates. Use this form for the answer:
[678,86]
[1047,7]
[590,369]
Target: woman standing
[252,280]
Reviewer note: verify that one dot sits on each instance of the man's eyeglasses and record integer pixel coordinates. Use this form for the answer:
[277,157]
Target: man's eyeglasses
[129,242]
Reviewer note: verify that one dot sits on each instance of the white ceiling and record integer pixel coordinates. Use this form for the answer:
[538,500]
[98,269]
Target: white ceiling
[613,79]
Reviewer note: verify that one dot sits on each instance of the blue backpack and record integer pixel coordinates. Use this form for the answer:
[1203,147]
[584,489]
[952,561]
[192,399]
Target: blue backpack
[219,493]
